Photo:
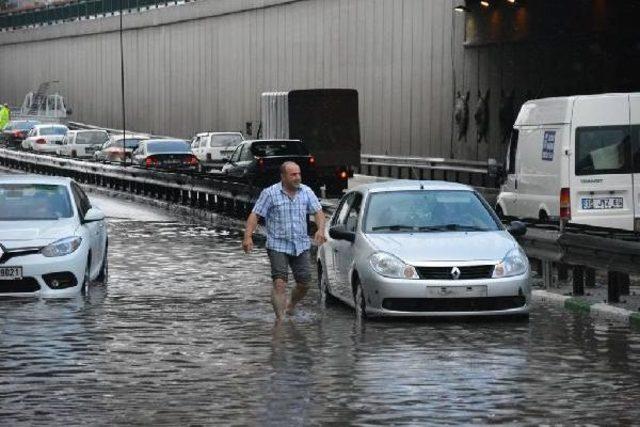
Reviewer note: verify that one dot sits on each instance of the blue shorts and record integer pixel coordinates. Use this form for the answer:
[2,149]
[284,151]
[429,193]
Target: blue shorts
[300,266]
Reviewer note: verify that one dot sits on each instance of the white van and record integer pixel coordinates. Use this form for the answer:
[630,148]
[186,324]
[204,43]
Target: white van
[575,159]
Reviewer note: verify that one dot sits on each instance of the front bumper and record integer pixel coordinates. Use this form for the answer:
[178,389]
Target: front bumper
[36,267]
[412,298]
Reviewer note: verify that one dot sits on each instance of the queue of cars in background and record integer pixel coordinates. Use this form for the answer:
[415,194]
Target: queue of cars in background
[211,148]
[53,242]
[45,138]
[82,143]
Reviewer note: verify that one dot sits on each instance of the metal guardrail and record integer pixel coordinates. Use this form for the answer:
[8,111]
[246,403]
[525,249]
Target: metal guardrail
[475,173]
[74,10]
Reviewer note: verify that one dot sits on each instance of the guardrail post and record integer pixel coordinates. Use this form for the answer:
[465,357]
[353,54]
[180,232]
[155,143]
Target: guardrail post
[613,287]
[578,280]
[547,273]
[590,277]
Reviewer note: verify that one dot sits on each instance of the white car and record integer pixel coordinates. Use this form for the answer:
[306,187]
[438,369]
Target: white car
[45,138]
[52,241]
[82,143]
[211,148]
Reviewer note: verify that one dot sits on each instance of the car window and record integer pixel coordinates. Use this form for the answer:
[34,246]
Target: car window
[340,217]
[81,199]
[225,140]
[603,150]
[236,154]
[635,148]
[91,137]
[22,202]
[428,211]
[53,130]
[513,147]
[168,146]
[279,148]
[246,155]
[353,214]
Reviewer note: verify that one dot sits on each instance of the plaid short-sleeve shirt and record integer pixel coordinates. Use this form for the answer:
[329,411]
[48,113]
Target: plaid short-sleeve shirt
[286,217]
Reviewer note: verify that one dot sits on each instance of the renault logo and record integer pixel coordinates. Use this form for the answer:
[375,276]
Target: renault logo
[455,273]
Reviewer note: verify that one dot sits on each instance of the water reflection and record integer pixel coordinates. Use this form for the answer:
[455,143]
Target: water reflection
[184,334]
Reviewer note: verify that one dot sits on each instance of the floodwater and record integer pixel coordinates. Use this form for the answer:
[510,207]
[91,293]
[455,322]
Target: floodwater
[184,334]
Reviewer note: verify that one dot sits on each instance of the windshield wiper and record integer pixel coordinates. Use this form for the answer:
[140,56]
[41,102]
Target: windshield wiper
[452,227]
[394,227]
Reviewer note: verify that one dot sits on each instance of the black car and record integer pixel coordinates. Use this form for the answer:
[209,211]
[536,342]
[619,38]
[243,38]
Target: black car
[16,131]
[165,154]
[257,162]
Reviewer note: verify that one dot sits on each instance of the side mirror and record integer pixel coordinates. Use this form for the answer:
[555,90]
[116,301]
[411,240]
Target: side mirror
[93,215]
[517,228]
[339,232]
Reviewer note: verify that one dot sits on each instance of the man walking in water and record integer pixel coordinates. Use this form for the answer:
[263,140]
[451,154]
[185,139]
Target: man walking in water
[284,207]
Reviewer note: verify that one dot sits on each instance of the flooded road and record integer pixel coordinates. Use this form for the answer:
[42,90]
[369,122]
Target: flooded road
[183,334]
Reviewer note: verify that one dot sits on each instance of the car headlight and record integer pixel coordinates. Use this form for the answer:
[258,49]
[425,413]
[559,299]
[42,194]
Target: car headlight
[513,264]
[62,247]
[388,265]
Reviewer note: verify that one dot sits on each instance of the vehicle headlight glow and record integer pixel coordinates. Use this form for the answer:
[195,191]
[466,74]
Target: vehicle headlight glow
[388,265]
[62,247]
[513,264]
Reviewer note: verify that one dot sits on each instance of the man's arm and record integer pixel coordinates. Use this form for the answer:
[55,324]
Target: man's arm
[319,238]
[250,228]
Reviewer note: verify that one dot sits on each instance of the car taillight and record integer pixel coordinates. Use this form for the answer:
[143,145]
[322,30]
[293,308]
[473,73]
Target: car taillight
[151,161]
[261,164]
[192,160]
[342,174]
[565,204]
[41,141]
[17,134]
[312,161]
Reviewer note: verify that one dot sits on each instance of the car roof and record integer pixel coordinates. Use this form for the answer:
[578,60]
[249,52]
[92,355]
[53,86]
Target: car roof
[88,130]
[410,184]
[34,179]
[219,133]
[46,125]
[270,140]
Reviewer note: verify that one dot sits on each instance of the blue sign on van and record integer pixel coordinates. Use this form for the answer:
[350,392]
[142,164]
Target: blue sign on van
[547,144]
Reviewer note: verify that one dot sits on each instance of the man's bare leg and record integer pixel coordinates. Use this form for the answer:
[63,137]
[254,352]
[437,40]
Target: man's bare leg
[279,297]
[297,294]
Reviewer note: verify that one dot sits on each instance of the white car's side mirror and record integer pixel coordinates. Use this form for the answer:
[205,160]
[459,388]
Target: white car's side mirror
[92,215]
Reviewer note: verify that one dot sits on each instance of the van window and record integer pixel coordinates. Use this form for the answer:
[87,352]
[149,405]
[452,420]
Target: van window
[635,148]
[513,146]
[602,150]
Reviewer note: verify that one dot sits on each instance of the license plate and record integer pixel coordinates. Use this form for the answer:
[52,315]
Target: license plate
[602,203]
[457,291]
[10,273]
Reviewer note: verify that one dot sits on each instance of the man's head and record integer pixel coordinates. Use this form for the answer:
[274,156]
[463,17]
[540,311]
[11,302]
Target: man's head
[290,175]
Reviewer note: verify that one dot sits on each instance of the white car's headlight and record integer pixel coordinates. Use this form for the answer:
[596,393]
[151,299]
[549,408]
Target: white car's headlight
[513,264]
[62,247]
[388,265]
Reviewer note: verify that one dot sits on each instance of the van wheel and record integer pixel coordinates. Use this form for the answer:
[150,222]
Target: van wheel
[543,217]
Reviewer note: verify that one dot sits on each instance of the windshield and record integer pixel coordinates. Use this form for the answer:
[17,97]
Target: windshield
[21,125]
[427,211]
[91,138]
[21,202]
[168,146]
[53,130]
[225,140]
[279,148]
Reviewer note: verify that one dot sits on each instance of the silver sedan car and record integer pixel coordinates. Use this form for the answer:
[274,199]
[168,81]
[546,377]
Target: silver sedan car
[414,248]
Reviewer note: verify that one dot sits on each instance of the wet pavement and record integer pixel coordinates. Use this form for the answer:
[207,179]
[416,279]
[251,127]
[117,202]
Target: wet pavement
[184,334]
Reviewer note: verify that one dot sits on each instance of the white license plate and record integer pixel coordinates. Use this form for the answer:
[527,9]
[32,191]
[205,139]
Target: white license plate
[602,203]
[10,273]
[456,291]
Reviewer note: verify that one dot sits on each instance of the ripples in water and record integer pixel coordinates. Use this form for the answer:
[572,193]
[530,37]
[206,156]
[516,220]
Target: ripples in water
[184,334]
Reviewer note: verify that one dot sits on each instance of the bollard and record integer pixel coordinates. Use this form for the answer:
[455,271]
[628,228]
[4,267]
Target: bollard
[590,277]
[578,280]
[547,273]
[613,287]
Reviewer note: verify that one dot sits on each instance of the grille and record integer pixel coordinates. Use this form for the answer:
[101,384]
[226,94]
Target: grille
[453,304]
[26,284]
[466,273]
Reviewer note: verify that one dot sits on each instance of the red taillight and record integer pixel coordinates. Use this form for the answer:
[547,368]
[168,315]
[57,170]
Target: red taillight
[192,160]
[565,204]
[312,161]
[17,134]
[342,174]
[41,141]
[261,164]
[151,161]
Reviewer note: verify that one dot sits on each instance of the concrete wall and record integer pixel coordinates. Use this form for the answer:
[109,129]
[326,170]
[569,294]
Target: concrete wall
[204,64]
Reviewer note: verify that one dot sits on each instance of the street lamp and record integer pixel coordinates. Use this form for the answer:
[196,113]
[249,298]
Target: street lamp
[124,119]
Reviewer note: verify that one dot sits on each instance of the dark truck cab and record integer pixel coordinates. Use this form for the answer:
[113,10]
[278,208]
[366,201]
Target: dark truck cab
[327,121]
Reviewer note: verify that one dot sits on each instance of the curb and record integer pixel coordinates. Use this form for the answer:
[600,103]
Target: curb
[599,310]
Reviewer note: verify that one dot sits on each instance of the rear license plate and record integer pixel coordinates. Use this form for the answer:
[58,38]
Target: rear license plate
[10,273]
[602,203]
[457,291]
